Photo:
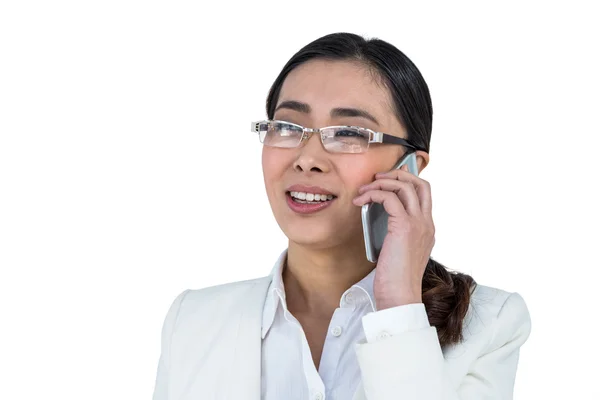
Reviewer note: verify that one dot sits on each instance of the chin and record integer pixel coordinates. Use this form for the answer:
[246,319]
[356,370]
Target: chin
[318,236]
[311,236]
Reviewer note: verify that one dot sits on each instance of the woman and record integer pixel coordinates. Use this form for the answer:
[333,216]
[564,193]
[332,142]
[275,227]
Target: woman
[327,323]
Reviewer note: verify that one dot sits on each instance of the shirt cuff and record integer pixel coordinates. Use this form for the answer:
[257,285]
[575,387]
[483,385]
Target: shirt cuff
[394,321]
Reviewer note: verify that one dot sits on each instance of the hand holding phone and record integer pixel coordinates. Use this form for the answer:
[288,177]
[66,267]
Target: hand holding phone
[375,218]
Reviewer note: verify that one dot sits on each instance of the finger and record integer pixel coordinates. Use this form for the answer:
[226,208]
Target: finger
[405,191]
[422,187]
[424,192]
[390,201]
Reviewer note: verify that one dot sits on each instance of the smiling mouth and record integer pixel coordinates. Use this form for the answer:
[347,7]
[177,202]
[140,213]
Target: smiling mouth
[310,198]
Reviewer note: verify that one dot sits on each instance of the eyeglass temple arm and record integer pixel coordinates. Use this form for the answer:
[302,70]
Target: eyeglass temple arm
[379,137]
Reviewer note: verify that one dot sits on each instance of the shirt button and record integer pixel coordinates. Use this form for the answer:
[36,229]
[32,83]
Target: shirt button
[382,335]
[349,298]
[336,331]
[319,396]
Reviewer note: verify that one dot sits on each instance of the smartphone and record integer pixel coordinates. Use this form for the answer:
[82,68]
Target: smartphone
[375,218]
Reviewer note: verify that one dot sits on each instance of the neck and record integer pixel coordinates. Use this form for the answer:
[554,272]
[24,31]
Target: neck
[315,279]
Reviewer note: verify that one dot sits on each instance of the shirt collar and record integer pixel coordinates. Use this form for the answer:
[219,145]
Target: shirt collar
[361,291]
[275,294]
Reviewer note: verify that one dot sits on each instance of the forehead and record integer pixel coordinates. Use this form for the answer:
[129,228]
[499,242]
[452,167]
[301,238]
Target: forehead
[327,84]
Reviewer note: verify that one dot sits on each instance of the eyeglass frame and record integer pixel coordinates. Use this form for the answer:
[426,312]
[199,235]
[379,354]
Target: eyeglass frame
[374,136]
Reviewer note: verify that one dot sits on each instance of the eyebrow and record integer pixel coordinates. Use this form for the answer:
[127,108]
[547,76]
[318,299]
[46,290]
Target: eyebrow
[335,112]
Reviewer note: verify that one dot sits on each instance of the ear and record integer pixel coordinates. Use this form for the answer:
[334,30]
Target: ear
[422,160]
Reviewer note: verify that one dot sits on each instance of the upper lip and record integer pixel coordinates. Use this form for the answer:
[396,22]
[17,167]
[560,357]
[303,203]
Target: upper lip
[308,189]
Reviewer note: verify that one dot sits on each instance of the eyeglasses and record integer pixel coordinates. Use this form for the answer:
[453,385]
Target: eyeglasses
[335,139]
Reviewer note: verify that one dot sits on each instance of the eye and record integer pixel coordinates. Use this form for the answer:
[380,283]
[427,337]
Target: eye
[348,133]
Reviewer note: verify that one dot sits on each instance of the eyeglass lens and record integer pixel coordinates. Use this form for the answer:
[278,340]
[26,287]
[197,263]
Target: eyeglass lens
[337,140]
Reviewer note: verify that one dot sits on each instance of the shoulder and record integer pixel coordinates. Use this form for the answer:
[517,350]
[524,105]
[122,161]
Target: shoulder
[213,299]
[492,303]
[497,315]
[226,292]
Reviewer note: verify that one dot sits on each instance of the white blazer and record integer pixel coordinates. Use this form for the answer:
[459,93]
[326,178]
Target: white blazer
[211,349]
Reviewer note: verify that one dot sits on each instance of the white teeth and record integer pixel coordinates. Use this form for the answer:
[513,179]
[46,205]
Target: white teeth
[311,196]
[298,195]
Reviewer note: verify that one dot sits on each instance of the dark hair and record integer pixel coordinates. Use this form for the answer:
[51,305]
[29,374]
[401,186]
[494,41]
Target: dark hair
[446,294]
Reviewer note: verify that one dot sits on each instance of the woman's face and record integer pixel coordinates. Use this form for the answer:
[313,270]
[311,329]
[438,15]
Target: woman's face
[323,86]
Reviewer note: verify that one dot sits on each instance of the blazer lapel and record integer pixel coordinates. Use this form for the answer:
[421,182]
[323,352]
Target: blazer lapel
[246,367]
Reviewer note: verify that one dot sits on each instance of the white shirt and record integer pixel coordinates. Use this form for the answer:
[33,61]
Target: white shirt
[288,370]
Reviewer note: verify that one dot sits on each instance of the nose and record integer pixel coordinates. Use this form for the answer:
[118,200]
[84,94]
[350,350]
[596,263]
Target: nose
[312,156]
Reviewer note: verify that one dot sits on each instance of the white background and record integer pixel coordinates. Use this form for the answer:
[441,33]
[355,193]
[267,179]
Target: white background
[128,172]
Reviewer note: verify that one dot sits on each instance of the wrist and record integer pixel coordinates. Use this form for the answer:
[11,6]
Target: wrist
[400,298]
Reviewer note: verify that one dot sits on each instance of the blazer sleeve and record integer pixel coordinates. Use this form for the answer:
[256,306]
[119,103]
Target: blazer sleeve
[411,365]
[161,387]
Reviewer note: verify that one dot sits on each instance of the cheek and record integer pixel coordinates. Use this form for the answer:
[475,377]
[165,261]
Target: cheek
[358,172]
[274,163]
